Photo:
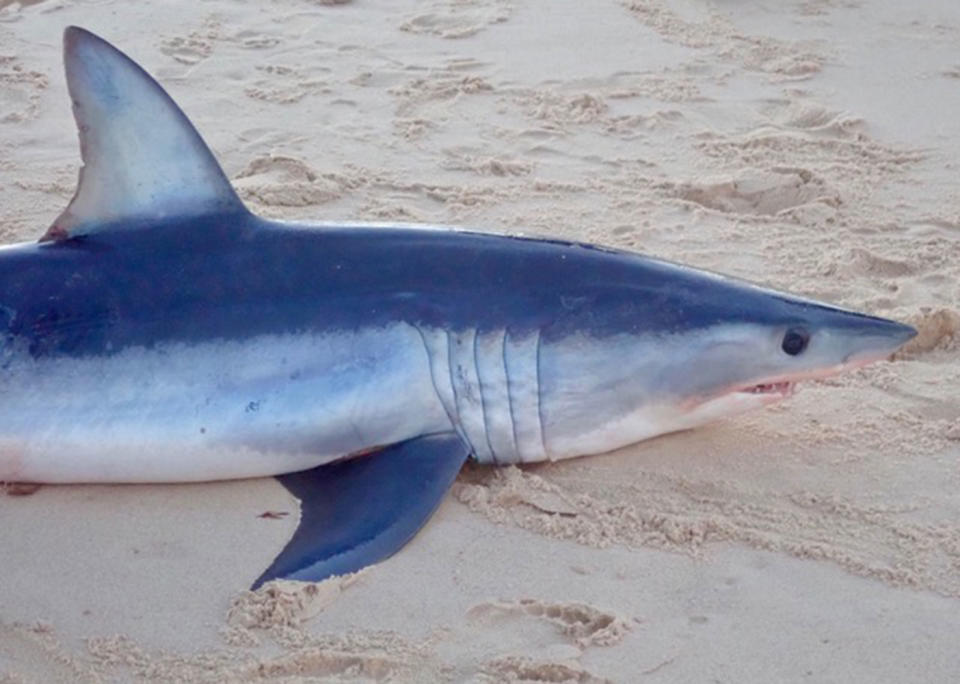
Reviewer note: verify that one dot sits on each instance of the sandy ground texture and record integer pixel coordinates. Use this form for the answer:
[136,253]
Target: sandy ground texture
[808,144]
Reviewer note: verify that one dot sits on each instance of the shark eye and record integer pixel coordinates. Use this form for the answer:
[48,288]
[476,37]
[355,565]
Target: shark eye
[795,341]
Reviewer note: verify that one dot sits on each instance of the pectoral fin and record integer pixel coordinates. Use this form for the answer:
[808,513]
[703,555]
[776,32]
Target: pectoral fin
[362,510]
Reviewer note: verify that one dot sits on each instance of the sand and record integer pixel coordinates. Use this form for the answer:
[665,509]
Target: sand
[810,145]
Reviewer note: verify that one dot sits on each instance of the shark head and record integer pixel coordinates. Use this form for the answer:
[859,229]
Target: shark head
[706,347]
[740,366]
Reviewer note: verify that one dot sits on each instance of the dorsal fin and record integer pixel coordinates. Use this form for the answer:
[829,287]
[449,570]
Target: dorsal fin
[142,158]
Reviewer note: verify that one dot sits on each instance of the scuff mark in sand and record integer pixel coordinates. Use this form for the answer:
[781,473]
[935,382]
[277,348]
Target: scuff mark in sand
[35,649]
[258,622]
[711,29]
[685,515]
[283,603]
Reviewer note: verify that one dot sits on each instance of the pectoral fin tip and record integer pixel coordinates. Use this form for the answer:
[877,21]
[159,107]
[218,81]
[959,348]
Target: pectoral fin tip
[359,511]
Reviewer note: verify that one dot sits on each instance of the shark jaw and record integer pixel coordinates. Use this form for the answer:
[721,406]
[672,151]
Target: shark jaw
[771,390]
[666,418]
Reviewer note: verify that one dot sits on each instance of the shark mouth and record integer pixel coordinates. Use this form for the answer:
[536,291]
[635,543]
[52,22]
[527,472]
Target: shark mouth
[768,392]
[783,388]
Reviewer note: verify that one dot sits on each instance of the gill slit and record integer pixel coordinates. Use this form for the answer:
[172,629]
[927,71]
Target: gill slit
[510,400]
[483,401]
[433,379]
[456,399]
[543,437]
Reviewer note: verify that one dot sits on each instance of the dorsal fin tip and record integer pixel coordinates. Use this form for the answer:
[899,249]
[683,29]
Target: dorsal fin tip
[142,158]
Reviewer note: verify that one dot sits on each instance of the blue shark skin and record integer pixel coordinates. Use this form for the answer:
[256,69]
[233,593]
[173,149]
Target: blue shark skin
[161,332]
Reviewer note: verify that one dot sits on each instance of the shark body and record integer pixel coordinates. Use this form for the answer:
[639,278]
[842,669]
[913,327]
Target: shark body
[160,332]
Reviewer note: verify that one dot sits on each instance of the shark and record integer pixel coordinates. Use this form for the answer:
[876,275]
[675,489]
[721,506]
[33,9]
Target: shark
[161,332]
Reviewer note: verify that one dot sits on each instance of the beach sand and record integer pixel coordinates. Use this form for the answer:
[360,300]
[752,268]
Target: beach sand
[810,145]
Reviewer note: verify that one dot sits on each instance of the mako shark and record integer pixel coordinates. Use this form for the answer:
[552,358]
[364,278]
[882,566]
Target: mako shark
[160,332]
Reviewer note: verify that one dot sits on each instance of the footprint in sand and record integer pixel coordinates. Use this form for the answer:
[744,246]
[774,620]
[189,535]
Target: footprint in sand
[458,18]
[288,182]
[192,48]
[286,85]
[758,192]
[581,625]
[19,90]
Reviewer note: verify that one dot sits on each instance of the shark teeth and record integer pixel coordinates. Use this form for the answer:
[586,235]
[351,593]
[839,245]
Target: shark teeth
[785,388]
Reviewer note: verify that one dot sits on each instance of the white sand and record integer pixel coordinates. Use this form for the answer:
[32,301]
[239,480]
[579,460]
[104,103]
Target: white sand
[810,145]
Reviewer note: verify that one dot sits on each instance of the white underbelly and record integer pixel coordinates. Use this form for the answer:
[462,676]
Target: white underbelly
[216,409]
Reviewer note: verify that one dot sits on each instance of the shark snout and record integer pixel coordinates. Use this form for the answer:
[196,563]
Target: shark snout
[901,333]
[878,340]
